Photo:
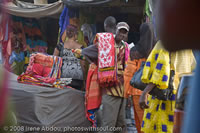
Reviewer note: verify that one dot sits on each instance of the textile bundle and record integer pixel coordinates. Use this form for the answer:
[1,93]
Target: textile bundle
[107,74]
[43,70]
[93,94]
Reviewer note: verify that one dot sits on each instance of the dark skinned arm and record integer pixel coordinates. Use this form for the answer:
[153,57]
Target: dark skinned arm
[143,97]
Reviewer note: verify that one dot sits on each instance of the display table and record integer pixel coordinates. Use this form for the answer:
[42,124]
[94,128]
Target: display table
[37,106]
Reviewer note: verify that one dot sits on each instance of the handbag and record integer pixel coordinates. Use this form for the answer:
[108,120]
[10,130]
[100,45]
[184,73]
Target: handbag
[161,94]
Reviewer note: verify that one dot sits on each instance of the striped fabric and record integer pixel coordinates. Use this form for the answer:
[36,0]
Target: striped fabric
[93,94]
[118,89]
[30,77]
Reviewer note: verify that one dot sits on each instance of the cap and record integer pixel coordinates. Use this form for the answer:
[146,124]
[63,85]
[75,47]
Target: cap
[123,25]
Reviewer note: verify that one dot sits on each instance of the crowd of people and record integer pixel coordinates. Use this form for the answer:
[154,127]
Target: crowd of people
[115,64]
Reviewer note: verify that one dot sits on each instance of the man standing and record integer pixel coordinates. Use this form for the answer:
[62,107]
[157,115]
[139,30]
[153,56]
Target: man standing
[113,112]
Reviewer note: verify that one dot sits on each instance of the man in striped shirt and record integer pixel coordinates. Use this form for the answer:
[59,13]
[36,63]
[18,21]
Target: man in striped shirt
[113,101]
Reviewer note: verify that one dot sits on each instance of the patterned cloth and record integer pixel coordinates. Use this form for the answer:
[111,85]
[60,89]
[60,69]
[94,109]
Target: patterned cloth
[159,117]
[93,94]
[118,89]
[157,67]
[43,70]
[71,67]
[106,59]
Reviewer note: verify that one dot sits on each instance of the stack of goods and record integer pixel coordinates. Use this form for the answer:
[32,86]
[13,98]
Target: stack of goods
[34,37]
[44,70]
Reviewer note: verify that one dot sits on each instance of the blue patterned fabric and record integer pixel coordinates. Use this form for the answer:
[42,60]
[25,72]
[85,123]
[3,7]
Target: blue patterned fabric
[164,128]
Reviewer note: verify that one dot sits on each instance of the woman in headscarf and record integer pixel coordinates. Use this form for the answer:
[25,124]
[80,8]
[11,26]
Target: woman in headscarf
[159,114]
[72,66]
[138,54]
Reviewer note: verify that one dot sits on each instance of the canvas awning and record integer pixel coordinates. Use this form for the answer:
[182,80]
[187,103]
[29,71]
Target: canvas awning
[85,2]
[29,10]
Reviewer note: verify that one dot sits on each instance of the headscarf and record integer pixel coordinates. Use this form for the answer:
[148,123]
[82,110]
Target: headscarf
[147,40]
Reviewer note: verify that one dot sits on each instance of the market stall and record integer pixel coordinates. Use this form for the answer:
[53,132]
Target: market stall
[37,106]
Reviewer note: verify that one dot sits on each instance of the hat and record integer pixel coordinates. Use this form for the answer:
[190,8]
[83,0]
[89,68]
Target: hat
[123,25]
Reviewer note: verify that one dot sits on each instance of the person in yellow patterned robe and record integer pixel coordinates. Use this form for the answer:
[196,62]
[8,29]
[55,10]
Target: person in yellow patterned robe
[158,114]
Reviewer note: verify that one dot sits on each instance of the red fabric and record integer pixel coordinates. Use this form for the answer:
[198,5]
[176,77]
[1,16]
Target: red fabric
[106,59]
[41,70]
[93,92]
[42,62]
[43,59]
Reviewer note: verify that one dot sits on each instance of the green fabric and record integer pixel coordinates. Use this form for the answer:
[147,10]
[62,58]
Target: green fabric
[147,9]
[18,67]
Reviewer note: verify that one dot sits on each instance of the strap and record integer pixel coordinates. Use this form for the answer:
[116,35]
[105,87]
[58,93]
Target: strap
[60,46]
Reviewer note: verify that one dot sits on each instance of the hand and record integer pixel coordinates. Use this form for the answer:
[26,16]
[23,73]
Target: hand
[77,52]
[143,101]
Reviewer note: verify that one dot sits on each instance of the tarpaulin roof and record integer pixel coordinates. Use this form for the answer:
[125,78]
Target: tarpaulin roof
[85,2]
[24,9]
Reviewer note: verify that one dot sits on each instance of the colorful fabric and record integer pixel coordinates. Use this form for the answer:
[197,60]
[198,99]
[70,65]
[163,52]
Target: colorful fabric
[157,67]
[159,117]
[132,67]
[45,60]
[36,80]
[93,94]
[106,59]
[43,70]
[30,34]
[18,57]
[118,89]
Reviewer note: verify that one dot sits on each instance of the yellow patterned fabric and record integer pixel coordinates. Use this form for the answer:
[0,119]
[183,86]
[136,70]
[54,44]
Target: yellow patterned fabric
[159,117]
[157,67]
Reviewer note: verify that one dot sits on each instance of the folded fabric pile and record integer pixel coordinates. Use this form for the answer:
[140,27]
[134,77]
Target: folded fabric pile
[44,70]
